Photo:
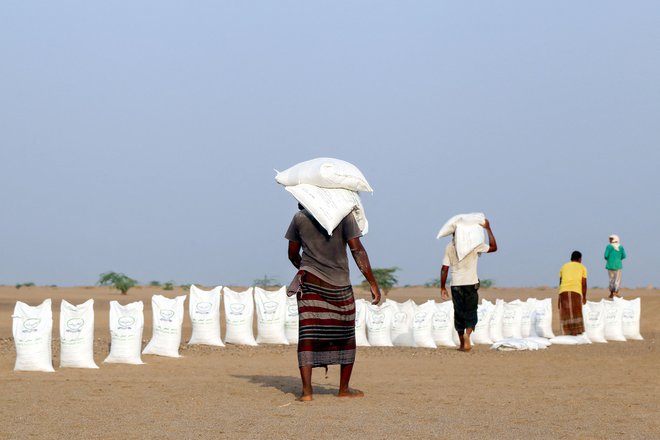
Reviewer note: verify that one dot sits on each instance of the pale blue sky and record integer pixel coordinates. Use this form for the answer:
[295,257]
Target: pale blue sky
[141,136]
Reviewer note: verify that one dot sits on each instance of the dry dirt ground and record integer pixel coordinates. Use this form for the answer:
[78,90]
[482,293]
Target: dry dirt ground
[584,392]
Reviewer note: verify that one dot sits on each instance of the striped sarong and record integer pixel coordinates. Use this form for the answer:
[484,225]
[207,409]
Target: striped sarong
[570,313]
[326,331]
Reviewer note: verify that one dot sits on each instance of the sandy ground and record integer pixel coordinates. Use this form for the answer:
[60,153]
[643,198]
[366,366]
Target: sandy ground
[584,392]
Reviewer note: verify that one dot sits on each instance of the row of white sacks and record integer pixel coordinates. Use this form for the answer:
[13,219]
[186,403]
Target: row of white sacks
[431,324]
[428,325]
[277,323]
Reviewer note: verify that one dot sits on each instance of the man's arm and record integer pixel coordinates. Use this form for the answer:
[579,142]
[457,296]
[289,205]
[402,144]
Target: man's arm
[294,254]
[492,244]
[362,260]
[584,290]
[607,251]
[443,282]
[559,300]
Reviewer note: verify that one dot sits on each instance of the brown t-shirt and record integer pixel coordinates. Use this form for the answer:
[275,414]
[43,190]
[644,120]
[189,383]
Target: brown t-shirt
[324,256]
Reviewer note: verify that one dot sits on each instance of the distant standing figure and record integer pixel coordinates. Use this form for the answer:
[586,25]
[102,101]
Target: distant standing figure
[572,295]
[614,255]
[326,306]
[464,285]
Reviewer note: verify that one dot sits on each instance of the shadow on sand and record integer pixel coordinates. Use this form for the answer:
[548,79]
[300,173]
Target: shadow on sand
[286,384]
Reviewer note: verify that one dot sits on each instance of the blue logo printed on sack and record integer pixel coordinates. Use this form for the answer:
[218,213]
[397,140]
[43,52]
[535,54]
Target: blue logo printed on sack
[31,324]
[204,308]
[75,325]
[125,322]
[166,315]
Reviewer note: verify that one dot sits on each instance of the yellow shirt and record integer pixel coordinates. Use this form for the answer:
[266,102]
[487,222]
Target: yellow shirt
[571,275]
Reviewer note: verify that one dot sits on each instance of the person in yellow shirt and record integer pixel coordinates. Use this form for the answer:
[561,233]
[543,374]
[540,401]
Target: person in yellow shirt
[572,295]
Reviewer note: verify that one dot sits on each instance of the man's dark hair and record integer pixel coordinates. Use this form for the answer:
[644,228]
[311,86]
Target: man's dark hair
[576,256]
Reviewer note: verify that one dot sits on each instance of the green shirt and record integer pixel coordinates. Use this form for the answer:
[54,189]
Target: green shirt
[614,258]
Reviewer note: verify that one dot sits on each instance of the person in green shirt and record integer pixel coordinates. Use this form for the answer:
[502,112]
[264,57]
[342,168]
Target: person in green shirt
[614,255]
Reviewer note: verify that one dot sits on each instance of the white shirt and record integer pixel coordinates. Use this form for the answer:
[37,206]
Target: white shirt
[464,272]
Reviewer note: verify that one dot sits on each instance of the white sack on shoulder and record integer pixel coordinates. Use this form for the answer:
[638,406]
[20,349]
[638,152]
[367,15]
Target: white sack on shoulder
[291,323]
[443,324]
[593,314]
[330,206]
[422,325]
[402,319]
[32,328]
[379,324]
[325,172]
[126,326]
[167,322]
[614,321]
[361,323]
[271,316]
[77,335]
[204,310]
[239,314]
[630,317]
[467,230]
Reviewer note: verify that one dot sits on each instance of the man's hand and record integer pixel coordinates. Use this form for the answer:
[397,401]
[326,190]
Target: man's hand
[584,299]
[444,294]
[375,294]
[486,224]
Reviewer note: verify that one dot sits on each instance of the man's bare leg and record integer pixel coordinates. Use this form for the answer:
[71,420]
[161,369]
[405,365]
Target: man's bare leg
[344,379]
[467,346]
[461,337]
[306,376]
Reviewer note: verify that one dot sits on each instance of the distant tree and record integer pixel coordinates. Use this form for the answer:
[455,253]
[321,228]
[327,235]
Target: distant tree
[117,281]
[154,283]
[486,283]
[385,277]
[168,285]
[266,281]
[29,284]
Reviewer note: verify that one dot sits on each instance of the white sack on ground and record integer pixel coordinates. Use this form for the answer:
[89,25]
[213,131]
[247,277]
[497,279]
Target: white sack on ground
[204,310]
[539,340]
[613,321]
[518,344]
[526,325]
[571,340]
[330,206]
[512,319]
[32,328]
[443,324]
[481,333]
[325,172]
[422,325]
[361,323]
[467,230]
[495,324]
[379,324]
[126,326]
[167,322]
[239,314]
[77,335]
[542,318]
[630,317]
[291,323]
[271,316]
[593,314]
[402,319]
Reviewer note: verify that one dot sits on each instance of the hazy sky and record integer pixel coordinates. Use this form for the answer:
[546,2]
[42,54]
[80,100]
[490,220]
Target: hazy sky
[141,137]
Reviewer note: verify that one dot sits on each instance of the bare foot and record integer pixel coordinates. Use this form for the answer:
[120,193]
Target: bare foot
[350,393]
[305,398]
[464,349]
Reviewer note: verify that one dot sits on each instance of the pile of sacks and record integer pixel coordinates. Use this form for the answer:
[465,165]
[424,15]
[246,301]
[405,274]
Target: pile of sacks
[328,188]
[276,316]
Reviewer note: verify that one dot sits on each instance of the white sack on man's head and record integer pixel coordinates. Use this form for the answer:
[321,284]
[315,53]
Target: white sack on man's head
[474,218]
[330,206]
[325,172]
[467,230]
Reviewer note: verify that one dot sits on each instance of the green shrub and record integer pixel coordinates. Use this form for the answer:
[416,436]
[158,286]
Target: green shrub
[117,281]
